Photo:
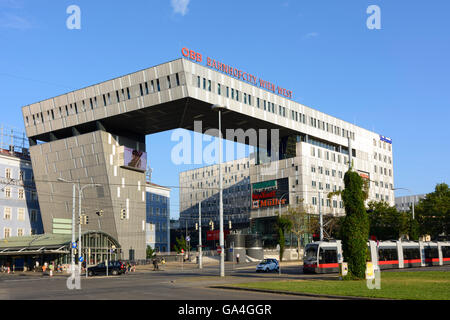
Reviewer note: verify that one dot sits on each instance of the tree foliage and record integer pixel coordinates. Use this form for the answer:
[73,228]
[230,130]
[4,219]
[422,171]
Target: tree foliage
[301,223]
[180,244]
[282,225]
[386,223]
[433,212]
[150,252]
[355,225]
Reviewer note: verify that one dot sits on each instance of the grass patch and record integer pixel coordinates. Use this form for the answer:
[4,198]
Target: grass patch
[432,285]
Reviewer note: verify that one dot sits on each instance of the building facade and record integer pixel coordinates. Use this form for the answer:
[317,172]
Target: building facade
[158,217]
[20,213]
[78,136]
[202,185]
[404,203]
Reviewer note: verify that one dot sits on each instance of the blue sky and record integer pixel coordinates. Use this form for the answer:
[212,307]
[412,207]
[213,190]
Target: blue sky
[394,81]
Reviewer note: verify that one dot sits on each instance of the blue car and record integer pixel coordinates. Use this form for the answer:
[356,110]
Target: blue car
[268,265]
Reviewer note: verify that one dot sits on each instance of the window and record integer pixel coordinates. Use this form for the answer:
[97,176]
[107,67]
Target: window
[169,84]
[146,89]
[21,214]
[157,85]
[218,89]
[8,173]
[20,232]
[21,194]
[7,193]
[313,169]
[313,183]
[7,233]
[177,78]
[198,81]
[7,213]
[209,85]
[21,175]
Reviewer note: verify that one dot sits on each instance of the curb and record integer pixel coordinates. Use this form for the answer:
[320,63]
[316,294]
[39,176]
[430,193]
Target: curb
[298,293]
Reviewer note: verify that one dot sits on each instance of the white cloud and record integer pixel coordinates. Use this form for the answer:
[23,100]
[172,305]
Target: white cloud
[12,21]
[180,6]
[311,35]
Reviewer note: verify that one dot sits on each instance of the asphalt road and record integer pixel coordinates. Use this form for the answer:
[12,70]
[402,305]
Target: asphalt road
[172,283]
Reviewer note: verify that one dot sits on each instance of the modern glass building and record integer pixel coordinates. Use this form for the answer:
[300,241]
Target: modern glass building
[158,217]
[23,252]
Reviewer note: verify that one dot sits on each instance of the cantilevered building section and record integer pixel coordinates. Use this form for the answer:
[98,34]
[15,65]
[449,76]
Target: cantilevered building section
[96,134]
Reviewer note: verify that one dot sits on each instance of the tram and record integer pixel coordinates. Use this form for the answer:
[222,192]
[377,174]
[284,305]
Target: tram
[325,256]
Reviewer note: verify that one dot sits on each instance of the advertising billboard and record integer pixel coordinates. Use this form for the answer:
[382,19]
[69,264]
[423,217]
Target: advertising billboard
[270,193]
[133,159]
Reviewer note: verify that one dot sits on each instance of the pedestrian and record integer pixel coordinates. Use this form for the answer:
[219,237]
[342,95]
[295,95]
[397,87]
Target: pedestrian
[44,267]
[237,257]
[50,267]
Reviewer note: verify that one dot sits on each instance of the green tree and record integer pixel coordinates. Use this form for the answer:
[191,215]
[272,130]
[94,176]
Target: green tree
[282,225]
[433,212]
[386,223]
[180,244]
[355,225]
[150,252]
[301,224]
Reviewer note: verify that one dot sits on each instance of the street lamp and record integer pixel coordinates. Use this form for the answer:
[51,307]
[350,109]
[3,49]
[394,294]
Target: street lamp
[411,196]
[80,194]
[218,108]
[287,193]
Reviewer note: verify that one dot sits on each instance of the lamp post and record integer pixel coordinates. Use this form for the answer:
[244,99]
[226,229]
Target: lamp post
[281,198]
[80,194]
[411,196]
[200,265]
[221,237]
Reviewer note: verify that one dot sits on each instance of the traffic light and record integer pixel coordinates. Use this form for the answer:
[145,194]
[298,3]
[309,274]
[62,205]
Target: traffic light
[99,213]
[229,224]
[123,214]
[80,220]
[86,219]
[196,226]
[212,225]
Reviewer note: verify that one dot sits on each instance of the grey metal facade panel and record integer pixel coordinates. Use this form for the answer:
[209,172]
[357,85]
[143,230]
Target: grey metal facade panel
[56,197]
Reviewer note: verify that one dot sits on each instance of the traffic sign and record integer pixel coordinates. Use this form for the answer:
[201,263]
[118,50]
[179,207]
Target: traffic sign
[74,245]
[182,250]
[219,249]
[81,259]
[188,238]
[231,249]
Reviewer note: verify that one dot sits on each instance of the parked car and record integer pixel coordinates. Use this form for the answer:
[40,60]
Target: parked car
[114,268]
[268,265]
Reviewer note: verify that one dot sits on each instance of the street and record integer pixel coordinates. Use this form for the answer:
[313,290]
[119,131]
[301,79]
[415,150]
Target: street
[171,283]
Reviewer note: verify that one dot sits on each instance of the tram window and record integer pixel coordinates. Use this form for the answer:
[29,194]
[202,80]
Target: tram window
[431,253]
[411,253]
[387,254]
[327,256]
[446,251]
[311,253]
